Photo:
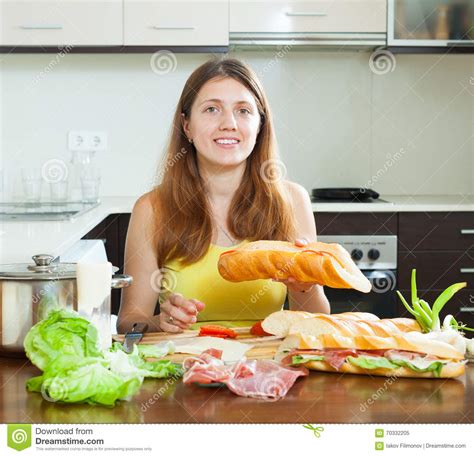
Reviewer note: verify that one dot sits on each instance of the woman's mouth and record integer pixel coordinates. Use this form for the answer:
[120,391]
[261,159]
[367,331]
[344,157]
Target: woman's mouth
[227,143]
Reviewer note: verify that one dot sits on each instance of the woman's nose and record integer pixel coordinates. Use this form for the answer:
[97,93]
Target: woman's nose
[228,121]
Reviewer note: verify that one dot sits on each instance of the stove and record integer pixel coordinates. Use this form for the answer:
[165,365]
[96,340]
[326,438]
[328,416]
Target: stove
[376,257]
[355,200]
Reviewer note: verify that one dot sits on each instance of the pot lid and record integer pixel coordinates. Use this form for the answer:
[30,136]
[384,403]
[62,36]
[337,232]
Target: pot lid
[44,267]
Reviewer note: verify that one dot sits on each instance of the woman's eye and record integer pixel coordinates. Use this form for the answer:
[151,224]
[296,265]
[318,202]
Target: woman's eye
[244,111]
[211,109]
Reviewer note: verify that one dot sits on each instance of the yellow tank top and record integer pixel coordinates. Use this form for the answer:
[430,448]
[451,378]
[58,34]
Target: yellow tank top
[227,303]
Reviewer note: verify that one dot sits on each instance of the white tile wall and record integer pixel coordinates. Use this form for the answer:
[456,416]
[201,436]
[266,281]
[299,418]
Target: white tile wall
[337,123]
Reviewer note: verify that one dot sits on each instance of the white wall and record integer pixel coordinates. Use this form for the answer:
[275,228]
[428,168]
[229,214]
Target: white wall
[409,131]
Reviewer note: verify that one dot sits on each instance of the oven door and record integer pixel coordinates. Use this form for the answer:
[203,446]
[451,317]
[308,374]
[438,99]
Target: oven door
[381,301]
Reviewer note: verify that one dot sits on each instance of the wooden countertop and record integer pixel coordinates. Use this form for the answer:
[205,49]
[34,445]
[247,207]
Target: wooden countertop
[319,398]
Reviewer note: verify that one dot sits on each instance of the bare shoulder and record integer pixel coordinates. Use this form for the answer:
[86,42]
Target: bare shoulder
[297,192]
[143,209]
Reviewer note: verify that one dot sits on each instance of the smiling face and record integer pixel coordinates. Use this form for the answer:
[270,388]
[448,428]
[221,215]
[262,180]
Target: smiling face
[224,123]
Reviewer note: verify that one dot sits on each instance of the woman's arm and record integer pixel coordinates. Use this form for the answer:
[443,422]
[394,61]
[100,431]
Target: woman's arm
[139,300]
[313,300]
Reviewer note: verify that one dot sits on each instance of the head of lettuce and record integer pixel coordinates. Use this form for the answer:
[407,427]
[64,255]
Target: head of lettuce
[66,348]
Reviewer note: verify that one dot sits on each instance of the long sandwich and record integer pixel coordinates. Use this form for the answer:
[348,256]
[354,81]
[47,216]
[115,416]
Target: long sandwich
[410,354]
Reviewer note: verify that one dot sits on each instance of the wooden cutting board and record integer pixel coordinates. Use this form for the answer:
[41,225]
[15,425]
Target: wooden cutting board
[264,347]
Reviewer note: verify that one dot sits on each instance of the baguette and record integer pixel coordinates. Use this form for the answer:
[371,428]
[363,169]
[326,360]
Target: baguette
[279,323]
[317,262]
[333,324]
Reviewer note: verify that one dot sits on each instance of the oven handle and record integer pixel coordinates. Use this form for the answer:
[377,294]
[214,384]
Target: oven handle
[387,274]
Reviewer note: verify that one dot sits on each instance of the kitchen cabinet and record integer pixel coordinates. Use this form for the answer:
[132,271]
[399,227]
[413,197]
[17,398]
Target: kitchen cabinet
[109,231]
[308,16]
[60,23]
[356,223]
[176,23]
[440,245]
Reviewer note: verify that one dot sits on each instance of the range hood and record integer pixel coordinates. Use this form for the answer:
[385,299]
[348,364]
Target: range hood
[430,26]
[307,41]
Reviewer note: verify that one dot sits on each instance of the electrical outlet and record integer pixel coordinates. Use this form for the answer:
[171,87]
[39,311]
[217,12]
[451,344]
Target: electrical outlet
[87,140]
[77,140]
[97,140]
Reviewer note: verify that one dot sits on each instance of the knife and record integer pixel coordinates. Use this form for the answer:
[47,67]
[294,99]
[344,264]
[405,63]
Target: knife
[134,336]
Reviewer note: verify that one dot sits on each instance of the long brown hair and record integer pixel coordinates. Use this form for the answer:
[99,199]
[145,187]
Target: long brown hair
[260,208]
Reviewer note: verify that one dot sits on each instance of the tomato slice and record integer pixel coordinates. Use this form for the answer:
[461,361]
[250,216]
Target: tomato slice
[257,330]
[217,331]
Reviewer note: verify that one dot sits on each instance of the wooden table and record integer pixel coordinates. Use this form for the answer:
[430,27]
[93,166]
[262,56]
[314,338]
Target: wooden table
[319,398]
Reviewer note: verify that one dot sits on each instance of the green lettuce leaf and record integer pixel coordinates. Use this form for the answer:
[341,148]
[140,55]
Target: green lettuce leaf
[74,379]
[122,362]
[63,332]
[301,359]
[66,348]
[435,366]
[366,362]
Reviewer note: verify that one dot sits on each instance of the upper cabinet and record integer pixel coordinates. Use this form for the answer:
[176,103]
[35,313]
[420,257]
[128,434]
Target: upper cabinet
[308,16]
[433,23]
[176,23]
[61,22]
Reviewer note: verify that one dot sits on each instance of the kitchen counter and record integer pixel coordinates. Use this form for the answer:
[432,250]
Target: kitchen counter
[20,240]
[397,203]
[319,398]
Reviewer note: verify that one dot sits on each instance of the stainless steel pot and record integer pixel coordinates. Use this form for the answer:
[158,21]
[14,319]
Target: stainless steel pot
[29,291]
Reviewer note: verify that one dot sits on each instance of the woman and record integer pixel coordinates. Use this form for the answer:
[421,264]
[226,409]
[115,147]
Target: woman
[219,189]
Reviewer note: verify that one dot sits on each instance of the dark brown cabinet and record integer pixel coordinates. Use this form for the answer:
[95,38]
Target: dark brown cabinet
[113,231]
[440,246]
[356,223]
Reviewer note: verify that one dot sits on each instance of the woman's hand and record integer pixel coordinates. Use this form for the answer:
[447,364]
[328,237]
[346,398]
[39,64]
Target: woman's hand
[178,313]
[291,283]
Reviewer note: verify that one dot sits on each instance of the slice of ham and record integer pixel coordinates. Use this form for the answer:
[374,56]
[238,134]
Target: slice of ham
[336,358]
[262,379]
[269,381]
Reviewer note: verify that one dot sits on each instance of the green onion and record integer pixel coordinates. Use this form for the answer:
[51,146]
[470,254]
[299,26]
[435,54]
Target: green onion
[407,306]
[442,299]
[426,316]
